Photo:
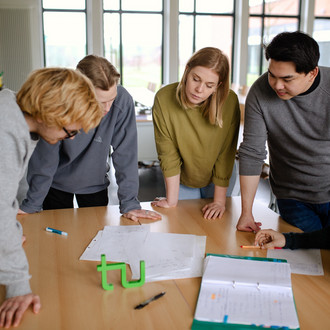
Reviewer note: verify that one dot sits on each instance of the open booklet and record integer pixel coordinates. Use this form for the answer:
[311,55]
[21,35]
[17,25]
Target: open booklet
[244,293]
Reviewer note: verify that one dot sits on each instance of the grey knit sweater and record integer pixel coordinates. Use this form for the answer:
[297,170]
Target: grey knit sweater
[298,135]
[16,148]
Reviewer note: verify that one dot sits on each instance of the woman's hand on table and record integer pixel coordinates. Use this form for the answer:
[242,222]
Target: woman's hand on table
[213,210]
[162,202]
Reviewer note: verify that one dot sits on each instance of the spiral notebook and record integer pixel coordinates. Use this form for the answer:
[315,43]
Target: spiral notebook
[244,293]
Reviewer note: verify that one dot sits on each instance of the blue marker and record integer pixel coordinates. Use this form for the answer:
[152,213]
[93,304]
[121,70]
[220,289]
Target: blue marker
[56,231]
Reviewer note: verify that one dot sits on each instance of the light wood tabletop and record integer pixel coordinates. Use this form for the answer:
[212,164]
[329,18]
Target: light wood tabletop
[71,293]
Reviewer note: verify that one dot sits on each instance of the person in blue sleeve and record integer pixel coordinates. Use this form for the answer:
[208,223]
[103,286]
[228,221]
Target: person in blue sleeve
[318,239]
[79,167]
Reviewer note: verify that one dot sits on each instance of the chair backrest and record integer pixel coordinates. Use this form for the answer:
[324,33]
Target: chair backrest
[151,86]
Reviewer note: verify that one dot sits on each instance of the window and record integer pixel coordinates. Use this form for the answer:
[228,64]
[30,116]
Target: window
[64,24]
[134,31]
[322,30]
[133,38]
[267,18]
[205,24]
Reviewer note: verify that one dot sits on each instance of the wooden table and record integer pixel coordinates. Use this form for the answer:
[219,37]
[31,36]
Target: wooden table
[71,293]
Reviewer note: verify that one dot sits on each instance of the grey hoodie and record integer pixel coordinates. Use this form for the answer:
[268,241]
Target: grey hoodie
[80,165]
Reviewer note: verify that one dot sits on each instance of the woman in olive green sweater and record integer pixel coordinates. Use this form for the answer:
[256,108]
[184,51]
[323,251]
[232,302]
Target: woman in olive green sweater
[196,126]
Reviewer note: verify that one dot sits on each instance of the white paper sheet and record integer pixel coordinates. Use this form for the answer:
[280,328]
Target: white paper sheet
[171,263]
[166,256]
[302,261]
[116,242]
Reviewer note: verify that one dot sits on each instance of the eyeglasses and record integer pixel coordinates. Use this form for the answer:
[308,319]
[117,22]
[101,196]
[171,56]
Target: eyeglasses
[70,134]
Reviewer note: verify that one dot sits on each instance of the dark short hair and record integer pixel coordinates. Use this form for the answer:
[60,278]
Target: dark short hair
[296,47]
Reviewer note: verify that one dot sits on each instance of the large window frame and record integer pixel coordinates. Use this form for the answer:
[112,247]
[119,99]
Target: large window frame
[122,12]
[61,10]
[263,16]
[170,47]
[322,36]
[194,13]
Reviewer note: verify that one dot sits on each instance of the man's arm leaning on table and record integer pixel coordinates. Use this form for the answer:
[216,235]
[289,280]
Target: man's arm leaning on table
[249,185]
[252,153]
[42,167]
[124,158]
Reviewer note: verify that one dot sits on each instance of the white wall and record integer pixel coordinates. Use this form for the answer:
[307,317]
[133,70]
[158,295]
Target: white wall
[21,49]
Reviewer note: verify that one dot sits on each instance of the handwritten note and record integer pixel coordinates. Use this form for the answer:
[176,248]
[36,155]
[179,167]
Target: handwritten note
[303,261]
[241,291]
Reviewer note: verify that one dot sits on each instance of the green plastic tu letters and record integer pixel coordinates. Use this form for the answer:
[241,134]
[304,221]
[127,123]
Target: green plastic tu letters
[104,267]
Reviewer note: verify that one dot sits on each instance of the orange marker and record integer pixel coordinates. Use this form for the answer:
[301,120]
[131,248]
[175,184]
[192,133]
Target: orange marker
[250,247]
[258,247]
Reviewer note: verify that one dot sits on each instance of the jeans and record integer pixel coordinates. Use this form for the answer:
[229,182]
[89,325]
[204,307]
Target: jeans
[196,193]
[57,199]
[306,216]
[208,191]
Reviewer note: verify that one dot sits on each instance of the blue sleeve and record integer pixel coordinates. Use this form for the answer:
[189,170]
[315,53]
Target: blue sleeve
[41,170]
[319,239]
[124,156]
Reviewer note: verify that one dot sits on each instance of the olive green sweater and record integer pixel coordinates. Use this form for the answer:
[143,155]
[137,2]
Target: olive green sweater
[187,144]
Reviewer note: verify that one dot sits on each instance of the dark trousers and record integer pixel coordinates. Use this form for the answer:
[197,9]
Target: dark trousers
[57,199]
[306,216]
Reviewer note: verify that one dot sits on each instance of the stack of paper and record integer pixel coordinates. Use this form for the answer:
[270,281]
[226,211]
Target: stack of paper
[166,256]
[246,292]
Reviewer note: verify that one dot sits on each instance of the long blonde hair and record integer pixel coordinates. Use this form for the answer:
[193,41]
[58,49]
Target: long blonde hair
[214,59]
[60,97]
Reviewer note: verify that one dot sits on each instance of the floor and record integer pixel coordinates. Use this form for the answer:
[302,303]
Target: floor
[150,180]
[152,185]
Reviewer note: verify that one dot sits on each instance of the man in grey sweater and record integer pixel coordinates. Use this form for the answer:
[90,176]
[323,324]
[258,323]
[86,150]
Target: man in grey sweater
[55,104]
[289,107]
[79,167]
